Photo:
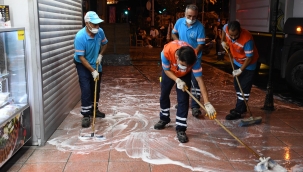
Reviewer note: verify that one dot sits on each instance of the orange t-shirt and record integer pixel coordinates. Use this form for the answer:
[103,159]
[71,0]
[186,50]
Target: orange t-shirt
[169,55]
[237,47]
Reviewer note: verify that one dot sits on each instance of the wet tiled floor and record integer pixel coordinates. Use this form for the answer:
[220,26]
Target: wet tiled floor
[130,99]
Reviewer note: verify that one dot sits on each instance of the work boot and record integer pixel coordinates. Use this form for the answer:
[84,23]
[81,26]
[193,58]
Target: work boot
[85,122]
[196,112]
[233,115]
[181,135]
[98,114]
[160,125]
[235,111]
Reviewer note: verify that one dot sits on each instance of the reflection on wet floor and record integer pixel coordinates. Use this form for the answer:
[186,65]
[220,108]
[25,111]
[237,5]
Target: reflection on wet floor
[130,99]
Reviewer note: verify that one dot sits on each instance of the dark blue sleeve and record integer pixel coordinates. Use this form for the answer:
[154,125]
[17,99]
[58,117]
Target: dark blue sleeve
[165,62]
[249,48]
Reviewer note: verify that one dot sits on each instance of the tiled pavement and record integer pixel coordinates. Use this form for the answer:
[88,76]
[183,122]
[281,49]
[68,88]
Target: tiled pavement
[130,99]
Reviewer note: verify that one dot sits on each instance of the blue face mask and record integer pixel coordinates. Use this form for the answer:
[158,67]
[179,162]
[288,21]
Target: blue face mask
[183,68]
[92,30]
[190,22]
[235,37]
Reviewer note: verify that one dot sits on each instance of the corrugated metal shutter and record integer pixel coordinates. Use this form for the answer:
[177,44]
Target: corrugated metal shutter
[59,21]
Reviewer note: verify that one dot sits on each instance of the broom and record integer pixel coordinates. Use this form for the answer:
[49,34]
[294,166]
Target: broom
[251,120]
[92,135]
[264,165]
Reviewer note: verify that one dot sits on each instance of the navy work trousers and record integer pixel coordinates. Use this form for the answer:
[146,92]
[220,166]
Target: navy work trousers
[195,91]
[87,86]
[245,79]
[182,99]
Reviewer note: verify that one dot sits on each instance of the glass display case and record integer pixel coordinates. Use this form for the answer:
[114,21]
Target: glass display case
[15,121]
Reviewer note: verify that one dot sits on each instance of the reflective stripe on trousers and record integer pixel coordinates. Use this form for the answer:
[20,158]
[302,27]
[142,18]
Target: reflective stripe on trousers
[182,99]
[245,79]
[87,87]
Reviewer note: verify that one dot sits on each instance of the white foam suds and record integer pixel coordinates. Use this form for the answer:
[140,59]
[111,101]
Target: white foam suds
[129,128]
[133,135]
[277,168]
[280,106]
[201,151]
[297,168]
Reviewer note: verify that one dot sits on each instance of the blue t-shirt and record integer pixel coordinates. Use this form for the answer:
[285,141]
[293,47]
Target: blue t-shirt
[193,35]
[89,47]
[248,49]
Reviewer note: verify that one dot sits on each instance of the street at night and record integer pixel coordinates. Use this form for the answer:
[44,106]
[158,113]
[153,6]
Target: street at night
[151,86]
[130,99]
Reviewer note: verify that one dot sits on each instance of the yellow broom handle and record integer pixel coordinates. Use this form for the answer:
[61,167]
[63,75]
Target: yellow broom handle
[229,132]
[95,97]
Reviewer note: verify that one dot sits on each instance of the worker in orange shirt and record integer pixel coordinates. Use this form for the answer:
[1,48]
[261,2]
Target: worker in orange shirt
[241,45]
[179,61]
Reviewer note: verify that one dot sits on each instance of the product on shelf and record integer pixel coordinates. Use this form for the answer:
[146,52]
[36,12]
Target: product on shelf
[8,138]
[7,111]
[3,97]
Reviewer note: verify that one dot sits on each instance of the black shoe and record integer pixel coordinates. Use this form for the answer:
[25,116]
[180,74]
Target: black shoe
[85,122]
[176,106]
[234,111]
[182,136]
[196,112]
[160,125]
[98,114]
[233,115]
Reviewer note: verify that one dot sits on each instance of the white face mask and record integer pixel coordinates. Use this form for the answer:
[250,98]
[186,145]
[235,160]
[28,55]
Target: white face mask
[183,68]
[92,30]
[189,21]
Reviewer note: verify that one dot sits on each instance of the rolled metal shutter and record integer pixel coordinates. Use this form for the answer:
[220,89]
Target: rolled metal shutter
[59,21]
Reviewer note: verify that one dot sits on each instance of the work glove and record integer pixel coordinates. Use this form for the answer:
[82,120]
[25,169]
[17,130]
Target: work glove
[210,111]
[181,84]
[95,75]
[224,45]
[99,59]
[237,72]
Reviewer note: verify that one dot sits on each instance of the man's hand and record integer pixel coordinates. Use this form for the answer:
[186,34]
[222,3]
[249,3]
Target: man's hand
[181,84]
[95,75]
[99,59]
[210,111]
[224,45]
[237,72]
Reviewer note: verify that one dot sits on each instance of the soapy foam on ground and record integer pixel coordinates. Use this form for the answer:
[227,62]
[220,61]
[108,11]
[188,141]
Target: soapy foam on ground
[132,132]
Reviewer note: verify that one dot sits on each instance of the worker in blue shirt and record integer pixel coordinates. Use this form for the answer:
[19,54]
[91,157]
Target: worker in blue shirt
[190,30]
[90,43]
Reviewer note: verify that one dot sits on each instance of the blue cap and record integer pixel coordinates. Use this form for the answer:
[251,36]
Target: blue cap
[92,17]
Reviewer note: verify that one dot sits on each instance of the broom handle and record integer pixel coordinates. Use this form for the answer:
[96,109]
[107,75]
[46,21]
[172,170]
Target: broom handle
[232,65]
[95,97]
[229,132]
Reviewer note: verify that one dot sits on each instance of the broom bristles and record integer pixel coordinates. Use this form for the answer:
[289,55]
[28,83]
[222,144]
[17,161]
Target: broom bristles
[250,121]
